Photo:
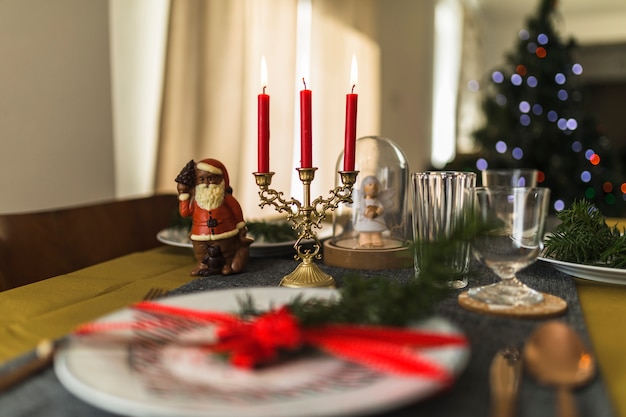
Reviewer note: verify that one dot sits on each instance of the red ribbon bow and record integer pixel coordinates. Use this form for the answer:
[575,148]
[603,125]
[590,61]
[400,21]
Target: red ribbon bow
[261,339]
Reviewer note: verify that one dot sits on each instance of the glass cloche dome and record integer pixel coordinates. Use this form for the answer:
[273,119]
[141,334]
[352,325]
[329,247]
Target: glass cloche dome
[374,231]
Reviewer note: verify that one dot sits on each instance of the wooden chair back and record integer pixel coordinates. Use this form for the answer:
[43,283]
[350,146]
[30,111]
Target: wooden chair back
[40,245]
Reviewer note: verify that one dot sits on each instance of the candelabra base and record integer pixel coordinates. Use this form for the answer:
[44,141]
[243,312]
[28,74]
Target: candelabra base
[308,275]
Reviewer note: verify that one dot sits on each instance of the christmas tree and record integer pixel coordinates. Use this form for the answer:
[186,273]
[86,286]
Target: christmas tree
[535,118]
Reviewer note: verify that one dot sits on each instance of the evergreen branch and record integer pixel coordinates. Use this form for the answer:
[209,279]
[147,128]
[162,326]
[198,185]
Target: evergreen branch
[380,301]
[271,232]
[268,232]
[584,237]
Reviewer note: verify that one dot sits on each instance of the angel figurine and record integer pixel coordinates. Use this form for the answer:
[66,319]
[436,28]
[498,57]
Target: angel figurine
[371,204]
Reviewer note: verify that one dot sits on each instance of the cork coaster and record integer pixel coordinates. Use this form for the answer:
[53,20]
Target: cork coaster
[550,306]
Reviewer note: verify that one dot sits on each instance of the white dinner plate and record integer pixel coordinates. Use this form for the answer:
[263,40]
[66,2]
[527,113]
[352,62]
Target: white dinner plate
[179,237]
[184,382]
[589,272]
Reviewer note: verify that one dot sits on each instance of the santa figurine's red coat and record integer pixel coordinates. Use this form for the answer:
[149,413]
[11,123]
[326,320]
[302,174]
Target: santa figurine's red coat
[214,224]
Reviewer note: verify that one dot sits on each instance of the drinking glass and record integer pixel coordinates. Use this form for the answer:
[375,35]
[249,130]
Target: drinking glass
[517,177]
[440,199]
[514,220]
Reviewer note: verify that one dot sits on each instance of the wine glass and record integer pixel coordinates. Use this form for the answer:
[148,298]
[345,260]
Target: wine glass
[511,239]
[516,177]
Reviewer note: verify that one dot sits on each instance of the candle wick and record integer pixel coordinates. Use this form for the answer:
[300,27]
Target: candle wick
[264,89]
[304,82]
[353,85]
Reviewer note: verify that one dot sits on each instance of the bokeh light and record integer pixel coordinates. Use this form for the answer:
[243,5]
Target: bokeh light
[517,153]
[572,124]
[524,35]
[607,187]
[524,120]
[560,78]
[577,146]
[562,95]
[473,86]
[590,193]
[537,109]
[501,100]
[585,176]
[481,164]
[501,146]
[521,70]
[541,52]
[524,106]
[516,79]
[559,205]
[577,69]
[541,177]
[542,38]
[552,116]
[595,159]
[497,77]
[532,81]
[609,199]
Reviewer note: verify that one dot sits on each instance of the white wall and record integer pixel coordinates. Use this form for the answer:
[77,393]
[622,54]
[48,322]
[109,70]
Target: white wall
[587,27]
[56,145]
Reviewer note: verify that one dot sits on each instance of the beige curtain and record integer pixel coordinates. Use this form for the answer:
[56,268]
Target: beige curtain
[213,78]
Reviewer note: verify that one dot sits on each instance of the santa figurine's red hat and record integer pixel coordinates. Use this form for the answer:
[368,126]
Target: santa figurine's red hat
[215,167]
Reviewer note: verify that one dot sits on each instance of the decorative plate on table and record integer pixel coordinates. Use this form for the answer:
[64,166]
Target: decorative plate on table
[589,272]
[173,380]
[179,237]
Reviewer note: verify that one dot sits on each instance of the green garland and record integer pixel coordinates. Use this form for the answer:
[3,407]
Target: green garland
[583,237]
[268,232]
[378,300]
[272,232]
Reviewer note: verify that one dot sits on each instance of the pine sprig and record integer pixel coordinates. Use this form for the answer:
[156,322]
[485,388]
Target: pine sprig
[584,237]
[267,232]
[272,232]
[378,300]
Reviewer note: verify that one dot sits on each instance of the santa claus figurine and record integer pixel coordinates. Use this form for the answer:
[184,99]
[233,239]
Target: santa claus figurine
[218,231]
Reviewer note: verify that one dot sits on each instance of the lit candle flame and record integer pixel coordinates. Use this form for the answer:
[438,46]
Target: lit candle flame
[354,73]
[263,74]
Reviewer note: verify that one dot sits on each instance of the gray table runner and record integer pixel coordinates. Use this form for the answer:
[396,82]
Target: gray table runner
[43,395]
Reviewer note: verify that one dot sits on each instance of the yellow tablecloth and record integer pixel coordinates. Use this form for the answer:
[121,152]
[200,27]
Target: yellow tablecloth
[604,309]
[52,308]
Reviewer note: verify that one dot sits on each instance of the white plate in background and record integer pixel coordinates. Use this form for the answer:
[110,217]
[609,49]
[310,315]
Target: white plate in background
[179,237]
[589,272]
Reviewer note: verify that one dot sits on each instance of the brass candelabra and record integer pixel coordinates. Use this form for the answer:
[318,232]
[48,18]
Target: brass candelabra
[306,217]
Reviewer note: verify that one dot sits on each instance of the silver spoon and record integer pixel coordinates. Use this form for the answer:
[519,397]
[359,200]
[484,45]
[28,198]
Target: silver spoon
[555,355]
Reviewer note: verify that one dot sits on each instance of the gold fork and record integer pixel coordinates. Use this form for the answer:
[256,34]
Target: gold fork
[154,293]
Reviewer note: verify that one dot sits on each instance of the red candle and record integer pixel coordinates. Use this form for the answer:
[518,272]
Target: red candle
[350,133]
[306,159]
[263,123]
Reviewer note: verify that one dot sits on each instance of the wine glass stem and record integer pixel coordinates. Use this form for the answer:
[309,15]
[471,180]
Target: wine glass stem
[511,281]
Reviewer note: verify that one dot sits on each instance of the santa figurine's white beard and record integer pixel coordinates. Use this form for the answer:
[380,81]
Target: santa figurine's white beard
[211,196]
